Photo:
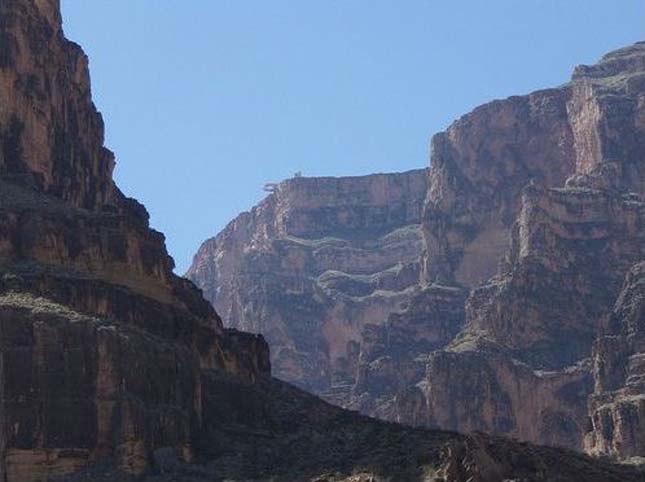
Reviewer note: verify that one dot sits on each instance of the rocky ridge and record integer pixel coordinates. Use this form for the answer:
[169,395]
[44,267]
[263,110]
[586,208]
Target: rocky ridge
[532,219]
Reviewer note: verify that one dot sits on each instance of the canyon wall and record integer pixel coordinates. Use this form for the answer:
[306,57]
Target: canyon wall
[618,401]
[312,264]
[112,368]
[533,216]
[92,319]
[572,213]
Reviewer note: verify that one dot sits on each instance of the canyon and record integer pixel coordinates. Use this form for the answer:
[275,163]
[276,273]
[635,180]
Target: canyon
[503,297]
[113,368]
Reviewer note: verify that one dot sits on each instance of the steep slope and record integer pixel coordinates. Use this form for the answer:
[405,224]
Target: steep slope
[112,368]
[530,330]
[558,176]
[533,216]
[483,161]
[312,264]
[50,129]
[618,402]
[92,320]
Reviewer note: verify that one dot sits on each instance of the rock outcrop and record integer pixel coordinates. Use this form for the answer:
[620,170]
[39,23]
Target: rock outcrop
[270,431]
[534,214]
[479,167]
[483,161]
[113,368]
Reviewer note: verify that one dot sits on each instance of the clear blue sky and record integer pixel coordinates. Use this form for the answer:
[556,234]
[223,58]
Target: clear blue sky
[206,100]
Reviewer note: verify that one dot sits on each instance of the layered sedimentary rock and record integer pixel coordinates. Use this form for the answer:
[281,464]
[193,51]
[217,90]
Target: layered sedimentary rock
[312,265]
[112,367]
[393,355]
[50,129]
[533,216]
[534,206]
[573,215]
[530,330]
[270,431]
[531,327]
[483,161]
[617,405]
[478,169]
[92,320]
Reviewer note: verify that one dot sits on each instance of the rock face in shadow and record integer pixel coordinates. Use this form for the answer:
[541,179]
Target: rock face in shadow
[533,217]
[312,265]
[103,348]
[272,431]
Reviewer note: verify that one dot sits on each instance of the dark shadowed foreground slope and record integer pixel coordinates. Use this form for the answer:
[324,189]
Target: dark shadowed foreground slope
[273,431]
[111,367]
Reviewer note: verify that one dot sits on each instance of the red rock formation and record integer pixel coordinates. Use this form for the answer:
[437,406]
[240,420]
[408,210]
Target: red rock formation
[520,365]
[104,353]
[534,207]
[478,169]
[50,129]
[393,355]
[531,328]
[617,406]
[312,264]
[111,364]
[483,161]
[92,318]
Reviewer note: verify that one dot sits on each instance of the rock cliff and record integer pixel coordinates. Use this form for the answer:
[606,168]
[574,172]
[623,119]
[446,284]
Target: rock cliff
[92,320]
[50,129]
[530,330]
[312,265]
[532,218]
[112,368]
[618,401]
[530,327]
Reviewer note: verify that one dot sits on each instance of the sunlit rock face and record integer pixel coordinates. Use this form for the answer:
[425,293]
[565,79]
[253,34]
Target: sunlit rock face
[558,175]
[50,130]
[312,265]
[536,204]
[478,169]
[533,216]
[483,161]
[529,333]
